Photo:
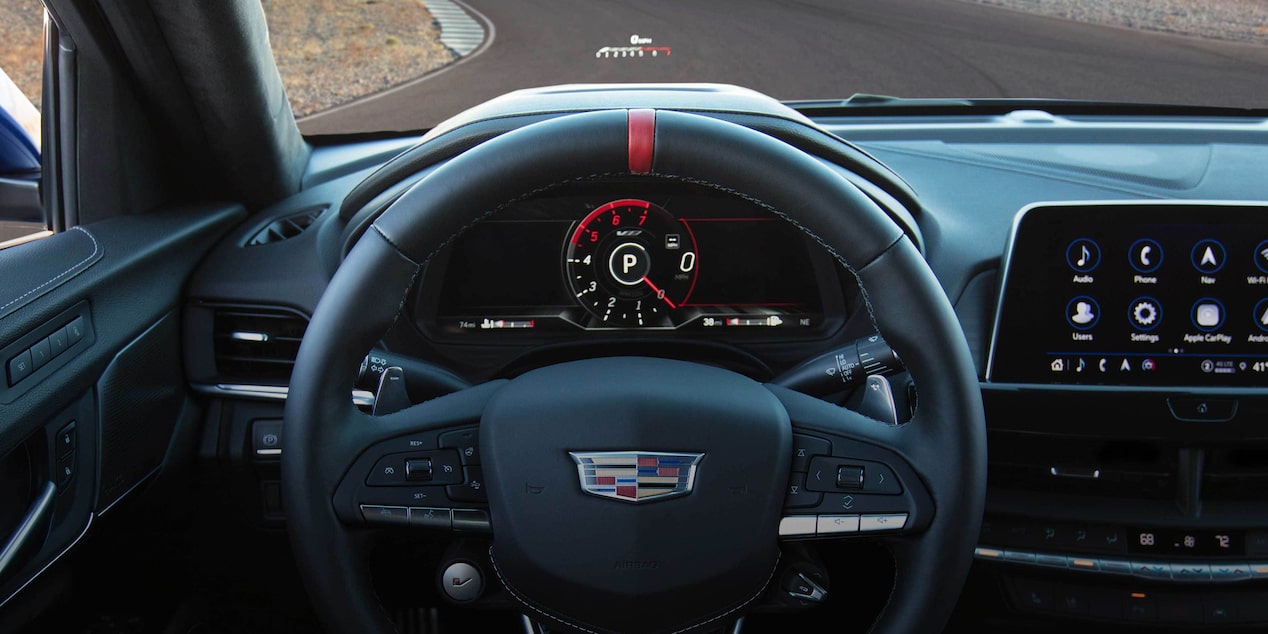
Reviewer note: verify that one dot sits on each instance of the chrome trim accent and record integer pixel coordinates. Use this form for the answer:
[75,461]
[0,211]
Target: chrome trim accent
[360,398]
[797,526]
[39,508]
[52,561]
[816,594]
[853,128]
[589,461]
[1072,472]
[254,337]
[530,626]
[833,524]
[882,522]
[1012,240]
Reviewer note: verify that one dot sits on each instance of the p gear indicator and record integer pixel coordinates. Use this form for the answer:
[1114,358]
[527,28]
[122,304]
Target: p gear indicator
[631,263]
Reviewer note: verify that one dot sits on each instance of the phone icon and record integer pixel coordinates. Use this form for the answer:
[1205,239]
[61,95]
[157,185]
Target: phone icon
[1145,255]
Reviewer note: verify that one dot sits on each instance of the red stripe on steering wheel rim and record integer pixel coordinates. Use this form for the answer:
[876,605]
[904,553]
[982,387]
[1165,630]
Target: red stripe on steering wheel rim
[642,124]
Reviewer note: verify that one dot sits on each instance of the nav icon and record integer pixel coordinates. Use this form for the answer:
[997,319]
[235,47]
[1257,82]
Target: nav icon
[1208,256]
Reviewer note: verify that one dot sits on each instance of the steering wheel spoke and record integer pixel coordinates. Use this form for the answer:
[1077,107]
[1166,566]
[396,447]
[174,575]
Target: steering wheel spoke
[419,467]
[849,477]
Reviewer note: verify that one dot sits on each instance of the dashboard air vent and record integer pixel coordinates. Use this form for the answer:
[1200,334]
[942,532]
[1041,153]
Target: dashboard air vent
[257,345]
[286,227]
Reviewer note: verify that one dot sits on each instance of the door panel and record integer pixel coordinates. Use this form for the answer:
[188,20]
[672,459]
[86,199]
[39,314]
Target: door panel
[119,383]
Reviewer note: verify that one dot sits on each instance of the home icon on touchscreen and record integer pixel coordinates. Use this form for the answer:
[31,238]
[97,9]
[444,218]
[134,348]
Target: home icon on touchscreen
[1058,365]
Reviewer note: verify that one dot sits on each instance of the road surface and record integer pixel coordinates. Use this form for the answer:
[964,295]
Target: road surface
[803,49]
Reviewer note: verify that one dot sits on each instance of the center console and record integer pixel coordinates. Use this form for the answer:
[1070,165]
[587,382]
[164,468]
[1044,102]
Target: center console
[1126,397]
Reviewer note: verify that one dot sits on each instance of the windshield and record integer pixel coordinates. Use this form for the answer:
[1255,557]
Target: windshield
[354,66]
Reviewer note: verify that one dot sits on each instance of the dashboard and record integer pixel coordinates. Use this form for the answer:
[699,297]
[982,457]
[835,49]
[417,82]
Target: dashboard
[1109,276]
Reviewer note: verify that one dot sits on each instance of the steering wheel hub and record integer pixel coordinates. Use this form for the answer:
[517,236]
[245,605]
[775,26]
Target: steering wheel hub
[599,561]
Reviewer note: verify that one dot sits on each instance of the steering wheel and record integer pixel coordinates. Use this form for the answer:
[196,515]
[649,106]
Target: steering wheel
[691,547]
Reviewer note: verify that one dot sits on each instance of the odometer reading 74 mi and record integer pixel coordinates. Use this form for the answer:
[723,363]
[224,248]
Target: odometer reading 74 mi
[631,263]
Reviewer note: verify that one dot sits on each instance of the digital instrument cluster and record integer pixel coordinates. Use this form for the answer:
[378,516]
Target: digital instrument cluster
[644,255]
[1135,294]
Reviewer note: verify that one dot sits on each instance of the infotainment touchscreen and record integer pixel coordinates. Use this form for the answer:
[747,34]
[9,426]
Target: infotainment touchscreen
[1135,294]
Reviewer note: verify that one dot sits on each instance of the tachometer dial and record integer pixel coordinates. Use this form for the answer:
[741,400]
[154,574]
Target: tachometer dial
[631,263]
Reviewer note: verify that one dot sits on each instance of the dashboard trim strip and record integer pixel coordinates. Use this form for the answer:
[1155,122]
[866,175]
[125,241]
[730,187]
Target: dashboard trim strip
[361,398]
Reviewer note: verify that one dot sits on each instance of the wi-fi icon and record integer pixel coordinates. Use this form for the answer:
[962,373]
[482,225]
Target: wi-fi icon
[1263,253]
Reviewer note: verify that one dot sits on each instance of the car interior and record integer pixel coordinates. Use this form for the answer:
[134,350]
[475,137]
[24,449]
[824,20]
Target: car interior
[1003,360]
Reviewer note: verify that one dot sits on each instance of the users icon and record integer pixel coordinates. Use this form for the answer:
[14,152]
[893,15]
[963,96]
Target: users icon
[1083,312]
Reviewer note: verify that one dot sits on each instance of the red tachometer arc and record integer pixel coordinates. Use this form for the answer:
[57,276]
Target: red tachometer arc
[628,202]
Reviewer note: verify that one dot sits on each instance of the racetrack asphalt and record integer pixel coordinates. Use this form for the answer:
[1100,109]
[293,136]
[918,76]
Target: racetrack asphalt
[816,49]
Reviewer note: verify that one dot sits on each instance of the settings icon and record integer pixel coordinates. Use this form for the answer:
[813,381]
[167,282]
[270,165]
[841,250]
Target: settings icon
[1145,313]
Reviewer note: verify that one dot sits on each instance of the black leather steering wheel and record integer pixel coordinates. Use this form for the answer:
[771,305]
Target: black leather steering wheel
[588,563]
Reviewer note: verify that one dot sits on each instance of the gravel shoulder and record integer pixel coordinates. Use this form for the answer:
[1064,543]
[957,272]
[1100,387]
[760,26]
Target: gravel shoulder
[22,45]
[329,52]
[1233,20]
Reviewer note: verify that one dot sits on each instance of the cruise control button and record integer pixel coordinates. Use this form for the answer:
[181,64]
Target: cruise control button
[391,470]
[418,470]
[388,471]
[466,441]
[430,518]
[446,466]
[806,447]
[829,524]
[397,515]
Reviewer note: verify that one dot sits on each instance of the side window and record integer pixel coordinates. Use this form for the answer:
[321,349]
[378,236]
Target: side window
[21,76]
